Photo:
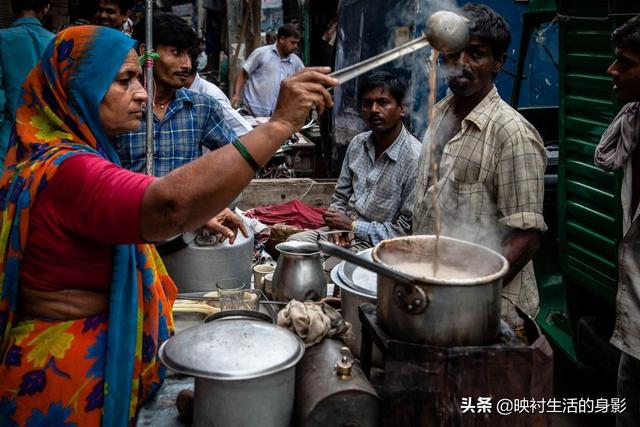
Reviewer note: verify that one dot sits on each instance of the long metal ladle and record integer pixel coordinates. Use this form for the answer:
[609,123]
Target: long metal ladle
[347,255]
[446,31]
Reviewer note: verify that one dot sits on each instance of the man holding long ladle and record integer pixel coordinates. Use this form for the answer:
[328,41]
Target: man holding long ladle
[491,163]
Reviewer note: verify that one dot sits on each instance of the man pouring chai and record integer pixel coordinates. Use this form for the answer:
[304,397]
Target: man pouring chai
[491,164]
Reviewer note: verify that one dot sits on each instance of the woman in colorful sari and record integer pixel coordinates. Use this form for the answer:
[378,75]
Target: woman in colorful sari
[84,300]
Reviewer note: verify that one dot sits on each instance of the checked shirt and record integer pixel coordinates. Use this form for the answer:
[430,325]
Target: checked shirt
[491,180]
[192,121]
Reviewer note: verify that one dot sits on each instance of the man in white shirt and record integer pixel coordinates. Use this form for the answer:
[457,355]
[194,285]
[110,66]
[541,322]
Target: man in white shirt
[197,84]
[265,69]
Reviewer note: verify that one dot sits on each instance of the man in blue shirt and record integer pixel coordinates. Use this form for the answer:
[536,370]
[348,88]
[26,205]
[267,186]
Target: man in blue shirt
[184,121]
[20,48]
[265,69]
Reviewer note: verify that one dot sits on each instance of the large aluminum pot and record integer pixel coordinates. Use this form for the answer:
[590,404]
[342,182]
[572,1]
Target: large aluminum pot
[440,311]
[244,371]
[299,273]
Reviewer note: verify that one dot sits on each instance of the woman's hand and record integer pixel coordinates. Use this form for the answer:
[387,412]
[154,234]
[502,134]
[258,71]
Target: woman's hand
[227,224]
[300,93]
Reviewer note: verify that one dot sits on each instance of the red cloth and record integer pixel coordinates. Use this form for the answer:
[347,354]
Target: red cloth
[90,205]
[295,213]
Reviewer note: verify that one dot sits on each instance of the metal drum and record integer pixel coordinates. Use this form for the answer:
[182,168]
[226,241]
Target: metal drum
[332,390]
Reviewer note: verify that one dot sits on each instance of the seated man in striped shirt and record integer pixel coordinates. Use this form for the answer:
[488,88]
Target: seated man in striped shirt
[375,192]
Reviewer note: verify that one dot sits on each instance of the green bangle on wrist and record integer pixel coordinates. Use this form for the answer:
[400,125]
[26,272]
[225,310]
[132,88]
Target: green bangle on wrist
[245,153]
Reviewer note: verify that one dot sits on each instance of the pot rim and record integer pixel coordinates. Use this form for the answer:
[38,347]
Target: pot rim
[185,370]
[288,247]
[476,281]
[206,376]
[239,314]
[338,282]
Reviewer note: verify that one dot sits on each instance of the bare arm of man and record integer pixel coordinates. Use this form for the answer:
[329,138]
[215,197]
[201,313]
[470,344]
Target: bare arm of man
[519,248]
[237,87]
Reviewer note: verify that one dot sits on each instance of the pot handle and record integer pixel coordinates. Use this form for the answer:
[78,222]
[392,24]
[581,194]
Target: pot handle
[349,256]
[205,237]
[411,299]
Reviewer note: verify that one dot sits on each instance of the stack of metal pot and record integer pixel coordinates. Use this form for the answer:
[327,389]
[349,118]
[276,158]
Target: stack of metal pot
[244,371]
[357,286]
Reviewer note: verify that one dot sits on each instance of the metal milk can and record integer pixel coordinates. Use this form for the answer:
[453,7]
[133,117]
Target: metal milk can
[299,274]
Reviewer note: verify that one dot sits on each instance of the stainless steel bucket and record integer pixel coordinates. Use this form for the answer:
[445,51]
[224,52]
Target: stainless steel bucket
[244,370]
[441,311]
[259,402]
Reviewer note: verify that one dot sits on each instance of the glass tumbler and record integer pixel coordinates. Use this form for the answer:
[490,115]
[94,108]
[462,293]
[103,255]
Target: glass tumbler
[231,293]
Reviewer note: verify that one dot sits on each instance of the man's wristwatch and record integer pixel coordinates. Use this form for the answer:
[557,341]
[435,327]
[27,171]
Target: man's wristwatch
[353,226]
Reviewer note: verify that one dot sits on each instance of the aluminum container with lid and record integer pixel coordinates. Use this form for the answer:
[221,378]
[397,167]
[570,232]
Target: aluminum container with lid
[358,286]
[244,370]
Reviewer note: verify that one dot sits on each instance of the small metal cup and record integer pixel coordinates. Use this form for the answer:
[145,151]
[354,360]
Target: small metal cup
[259,273]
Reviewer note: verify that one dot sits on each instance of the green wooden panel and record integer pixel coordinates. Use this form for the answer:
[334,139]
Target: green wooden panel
[589,128]
[591,108]
[599,266]
[588,41]
[589,210]
[579,147]
[588,169]
[580,274]
[587,192]
[591,239]
[588,198]
[584,7]
[589,62]
[589,217]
